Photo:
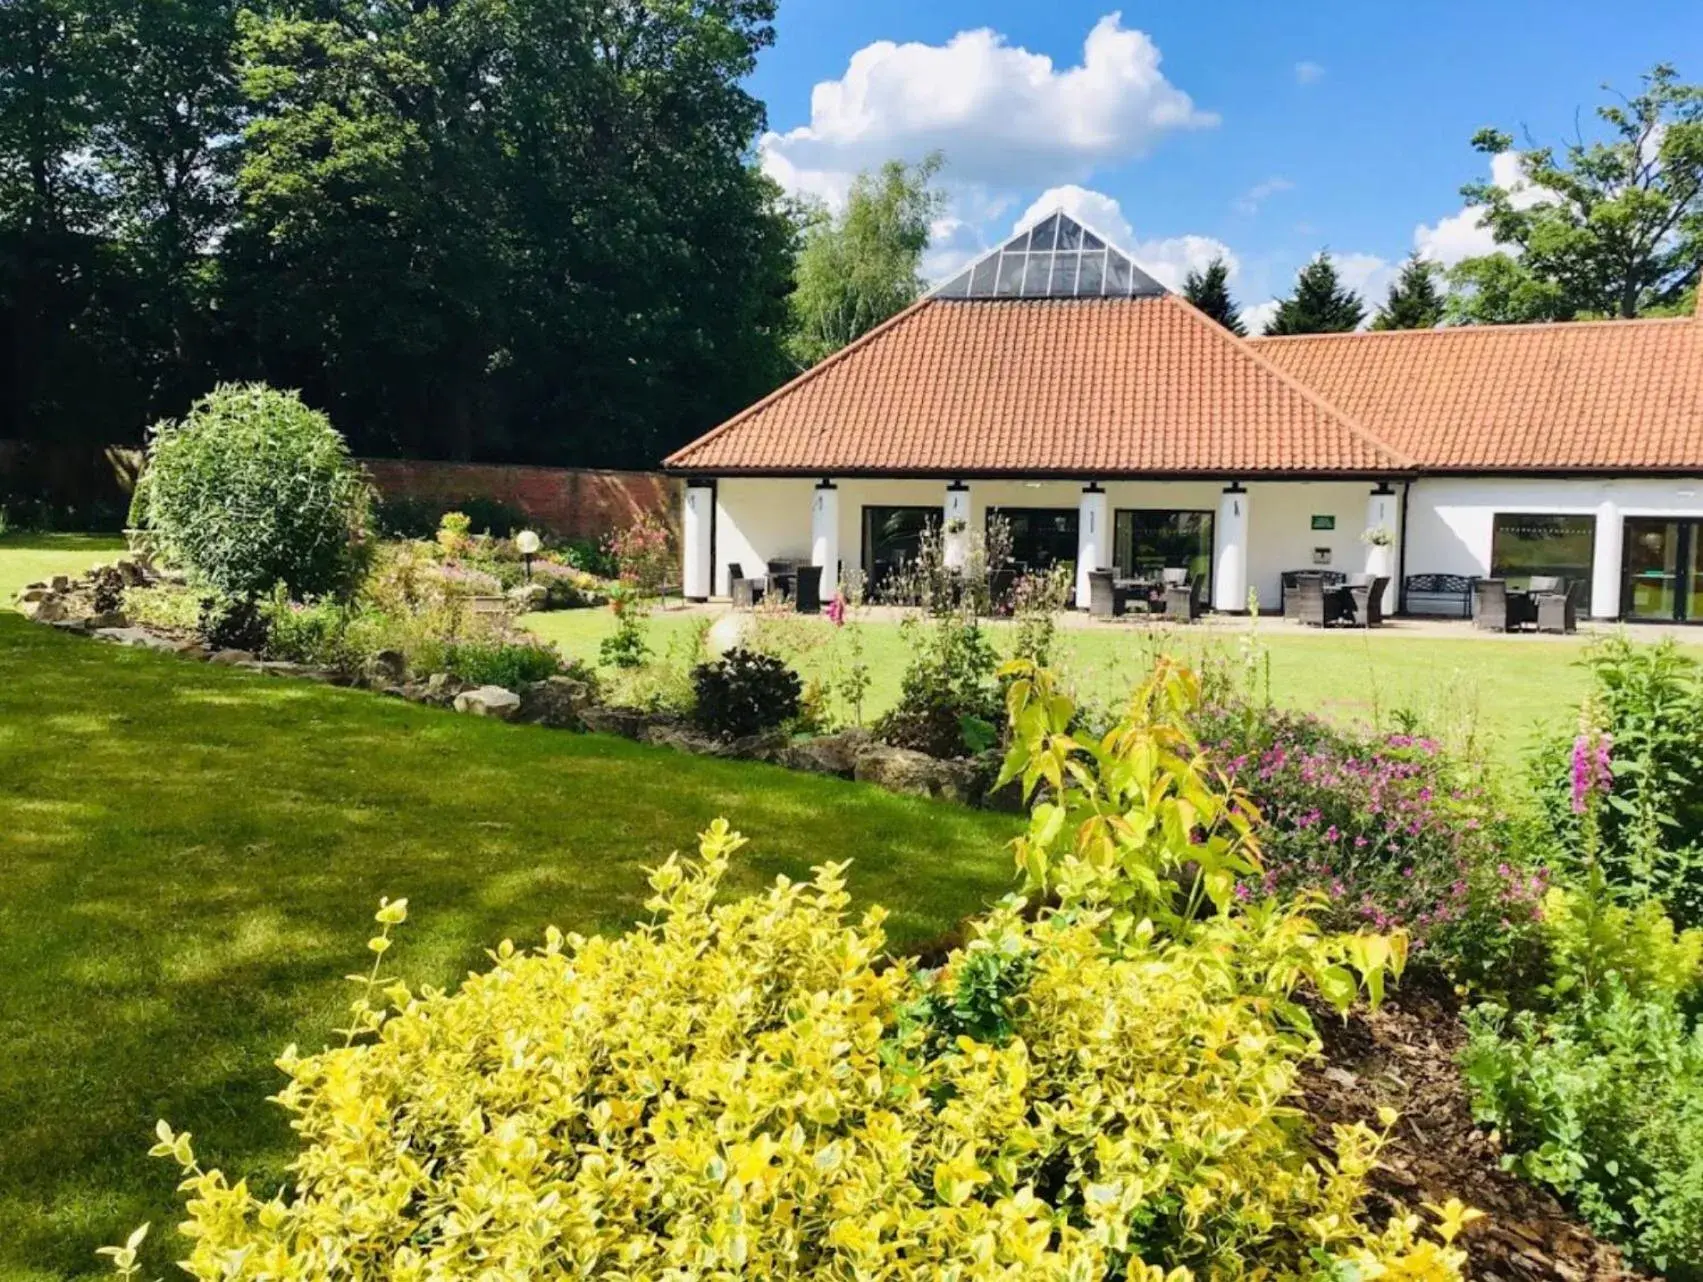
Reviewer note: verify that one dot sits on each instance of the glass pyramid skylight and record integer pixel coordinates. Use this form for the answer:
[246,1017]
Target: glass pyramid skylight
[1056,258]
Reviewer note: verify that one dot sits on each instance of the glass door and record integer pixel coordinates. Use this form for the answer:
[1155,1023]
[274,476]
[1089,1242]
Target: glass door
[1662,580]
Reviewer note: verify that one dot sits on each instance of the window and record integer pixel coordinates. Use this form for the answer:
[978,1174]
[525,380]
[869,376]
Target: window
[891,538]
[1526,543]
[1146,541]
[1041,537]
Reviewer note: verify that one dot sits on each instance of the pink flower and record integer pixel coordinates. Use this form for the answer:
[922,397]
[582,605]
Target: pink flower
[1592,773]
[837,610]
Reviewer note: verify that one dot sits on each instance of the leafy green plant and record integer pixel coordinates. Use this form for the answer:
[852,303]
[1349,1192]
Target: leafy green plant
[948,698]
[166,606]
[626,647]
[509,663]
[322,634]
[226,624]
[743,693]
[252,489]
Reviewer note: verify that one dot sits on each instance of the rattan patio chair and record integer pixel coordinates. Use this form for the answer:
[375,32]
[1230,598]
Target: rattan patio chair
[744,592]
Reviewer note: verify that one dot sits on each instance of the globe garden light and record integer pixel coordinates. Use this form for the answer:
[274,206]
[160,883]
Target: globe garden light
[528,543]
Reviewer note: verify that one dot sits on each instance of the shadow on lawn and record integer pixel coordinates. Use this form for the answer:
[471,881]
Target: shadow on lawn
[189,860]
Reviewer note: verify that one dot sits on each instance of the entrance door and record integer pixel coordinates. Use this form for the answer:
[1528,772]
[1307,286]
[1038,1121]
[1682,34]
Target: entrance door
[1663,578]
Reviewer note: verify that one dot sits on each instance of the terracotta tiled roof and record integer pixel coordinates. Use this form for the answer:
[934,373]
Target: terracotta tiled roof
[1611,395]
[1101,387]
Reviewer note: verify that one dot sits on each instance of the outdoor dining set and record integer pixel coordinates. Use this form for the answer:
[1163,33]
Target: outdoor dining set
[1172,593]
[1330,598]
[798,582]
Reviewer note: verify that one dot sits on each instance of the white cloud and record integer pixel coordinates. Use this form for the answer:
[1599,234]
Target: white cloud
[953,243]
[1167,259]
[1257,316]
[1308,73]
[1449,240]
[1249,202]
[1003,117]
[1367,275]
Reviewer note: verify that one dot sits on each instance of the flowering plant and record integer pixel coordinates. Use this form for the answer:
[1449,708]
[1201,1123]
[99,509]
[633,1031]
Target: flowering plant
[644,554]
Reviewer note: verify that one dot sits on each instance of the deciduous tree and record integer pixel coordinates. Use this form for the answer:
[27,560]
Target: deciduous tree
[860,266]
[1611,227]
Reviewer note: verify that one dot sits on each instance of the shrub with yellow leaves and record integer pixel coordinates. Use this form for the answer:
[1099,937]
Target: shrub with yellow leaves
[756,1089]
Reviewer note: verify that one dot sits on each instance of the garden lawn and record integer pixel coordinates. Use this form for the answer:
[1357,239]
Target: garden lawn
[190,857]
[24,558]
[1500,692]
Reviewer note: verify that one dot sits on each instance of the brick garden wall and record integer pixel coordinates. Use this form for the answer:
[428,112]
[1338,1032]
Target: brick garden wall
[572,502]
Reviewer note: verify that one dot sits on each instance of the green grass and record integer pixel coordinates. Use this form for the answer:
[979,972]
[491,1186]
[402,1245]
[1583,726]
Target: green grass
[1503,692]
[189,858]
[24,558]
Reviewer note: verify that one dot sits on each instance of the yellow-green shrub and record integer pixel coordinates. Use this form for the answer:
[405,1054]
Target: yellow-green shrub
[756,1089]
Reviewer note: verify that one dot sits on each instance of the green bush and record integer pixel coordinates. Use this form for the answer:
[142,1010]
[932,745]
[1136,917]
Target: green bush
[321,634]
[756,1089]
[253,489]
[1649,841]
[231,624]
[506,663]
[949,702]
[743,693]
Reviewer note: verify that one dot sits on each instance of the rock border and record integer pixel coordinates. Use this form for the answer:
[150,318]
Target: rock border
[560,702]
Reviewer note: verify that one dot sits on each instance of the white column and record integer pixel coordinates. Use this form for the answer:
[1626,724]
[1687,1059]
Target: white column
[1383,512]
[1606,561]
[955,533]
[697,575]
[1230,561]
[825,535]
[1093,540]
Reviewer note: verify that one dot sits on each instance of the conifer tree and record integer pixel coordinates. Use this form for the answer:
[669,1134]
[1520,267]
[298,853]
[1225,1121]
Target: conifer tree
[1210,292]
[1414,301]
[1321,304]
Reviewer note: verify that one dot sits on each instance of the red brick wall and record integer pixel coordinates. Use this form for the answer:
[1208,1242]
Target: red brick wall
[572,502]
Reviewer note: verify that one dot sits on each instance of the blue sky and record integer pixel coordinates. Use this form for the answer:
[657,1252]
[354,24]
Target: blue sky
[1264,130]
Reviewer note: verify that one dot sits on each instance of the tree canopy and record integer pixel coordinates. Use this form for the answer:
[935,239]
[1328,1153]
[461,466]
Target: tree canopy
[1414,301]
[1209,290]
[864,264]
[1321,303]
[526,229]
[1611,227]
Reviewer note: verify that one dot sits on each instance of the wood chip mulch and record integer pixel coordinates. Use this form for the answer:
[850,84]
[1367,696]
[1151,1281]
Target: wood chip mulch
[1405,1056]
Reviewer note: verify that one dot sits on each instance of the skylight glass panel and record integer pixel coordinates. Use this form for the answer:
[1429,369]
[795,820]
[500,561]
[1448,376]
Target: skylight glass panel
[1018,245]
[1011,275]
[1117,274]
[1092,276]
[1091,241]
[986,274]
[1064,275]
[1040,272]
[957,287]
[1042,237]
[1069,234]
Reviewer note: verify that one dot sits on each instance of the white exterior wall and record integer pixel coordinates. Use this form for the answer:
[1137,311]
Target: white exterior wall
[1451,519]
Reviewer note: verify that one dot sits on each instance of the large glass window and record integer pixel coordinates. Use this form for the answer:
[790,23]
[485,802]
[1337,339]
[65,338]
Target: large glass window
[1527,543]
[1059,258]
[1664,570]
[1146,541]
[891,538]
[1041,537]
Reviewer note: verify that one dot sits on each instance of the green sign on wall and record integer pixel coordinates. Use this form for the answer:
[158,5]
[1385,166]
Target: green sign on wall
[1324,523]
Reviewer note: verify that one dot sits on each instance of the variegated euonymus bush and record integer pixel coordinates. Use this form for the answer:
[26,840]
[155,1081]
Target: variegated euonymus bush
[1100,1089]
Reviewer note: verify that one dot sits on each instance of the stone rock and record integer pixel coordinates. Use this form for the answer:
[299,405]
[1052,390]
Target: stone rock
[387,668]
[667,734]
[234,658]
[529,596]
[60,583]
[488,701]
[829,754]
[558,702]
[110,619]
[36,592]
[728,633]
[765,745]
[79,626]
[916,774]
[49,609]
[134,572]
[626,722]
[146,640]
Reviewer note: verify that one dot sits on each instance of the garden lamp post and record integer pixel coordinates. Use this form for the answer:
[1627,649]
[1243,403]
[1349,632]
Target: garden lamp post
[528,544]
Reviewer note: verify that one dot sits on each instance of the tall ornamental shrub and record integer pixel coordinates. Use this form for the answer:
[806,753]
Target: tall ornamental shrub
[253,489]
